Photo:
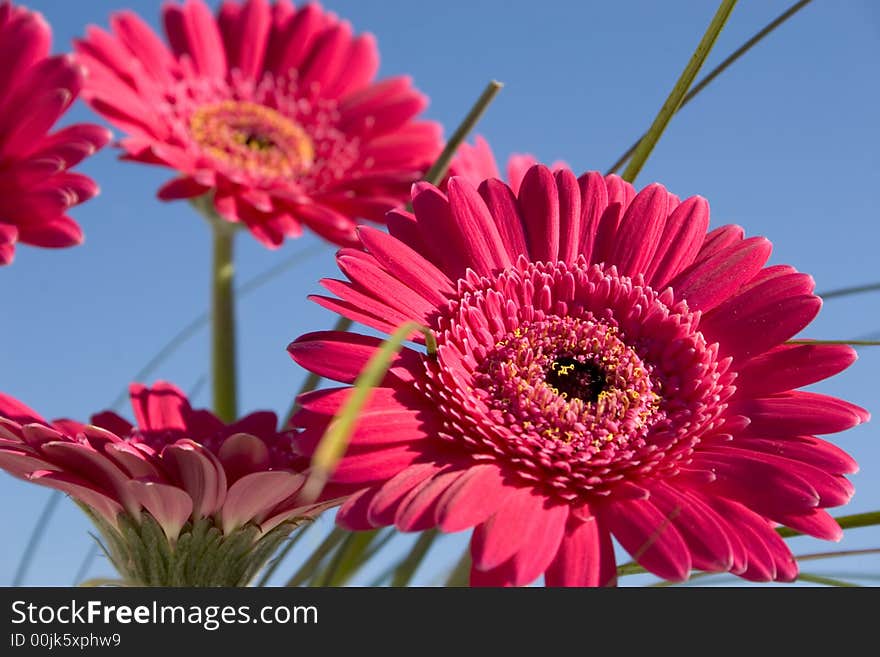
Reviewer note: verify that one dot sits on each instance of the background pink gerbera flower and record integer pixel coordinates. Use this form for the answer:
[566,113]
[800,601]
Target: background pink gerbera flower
[476,163]
[271,108]
[605,369]
[179,475]
[36,184]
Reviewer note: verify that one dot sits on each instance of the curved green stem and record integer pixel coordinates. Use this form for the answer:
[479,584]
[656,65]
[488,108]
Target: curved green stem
[826,581]
[718,70]
[223,359]
[404,572]
[674,100]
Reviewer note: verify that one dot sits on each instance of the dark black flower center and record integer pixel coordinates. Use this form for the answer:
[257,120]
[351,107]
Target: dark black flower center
[258,142]
[572,378]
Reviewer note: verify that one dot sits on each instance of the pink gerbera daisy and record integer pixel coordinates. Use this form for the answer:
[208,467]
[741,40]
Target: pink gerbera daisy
[181,498]
[605,369]
[36,186]
[272,109]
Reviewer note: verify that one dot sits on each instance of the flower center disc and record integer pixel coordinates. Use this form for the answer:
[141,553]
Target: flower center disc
[252,137]
[574,376]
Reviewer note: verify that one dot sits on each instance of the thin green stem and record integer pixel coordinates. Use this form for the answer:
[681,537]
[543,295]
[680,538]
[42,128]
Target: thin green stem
[673,102]
[849,291]
[404,572]
[827,581]
[438,170]
[461,573]
[308,568]
[718,70]
[282,554]
[30,549]
[337,435]
[345,559]
[815,556]
[223,360]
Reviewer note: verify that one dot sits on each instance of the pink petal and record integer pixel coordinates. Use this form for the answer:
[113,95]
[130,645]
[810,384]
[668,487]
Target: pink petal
[474,497]
[705,536]
[81,490]
[569,215]
[386,500]
[169,505]
[799,412]
[649,536]
[746,326]
[417,510]
[792,366]
[407,265]
[160,407]
[539,205]
[594,201]
[501,202]
[255,494]
[341,356]
[540,545]
[638,235]
[707,284]
[585,556]
[354,512]
[14,410]
[242,454]
[477,227]
[199,473]
[505,532]
[681,240]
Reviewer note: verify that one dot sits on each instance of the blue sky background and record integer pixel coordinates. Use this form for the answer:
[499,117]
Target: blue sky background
[784,144]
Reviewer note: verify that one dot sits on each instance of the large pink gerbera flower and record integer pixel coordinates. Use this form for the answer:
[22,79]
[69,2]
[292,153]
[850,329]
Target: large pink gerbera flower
[272,109]
[605,368]
[36,185]
[181,498]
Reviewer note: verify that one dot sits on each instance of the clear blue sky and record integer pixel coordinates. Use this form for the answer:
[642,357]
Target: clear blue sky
[783,144]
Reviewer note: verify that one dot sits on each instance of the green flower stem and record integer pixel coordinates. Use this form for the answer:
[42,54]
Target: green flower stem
[223,365]
[673,102]
[460,574]
[404,572]
[718,70]
[827,581]
[336,437]
[438,170]
[848,291]
[282,553]
[311,564]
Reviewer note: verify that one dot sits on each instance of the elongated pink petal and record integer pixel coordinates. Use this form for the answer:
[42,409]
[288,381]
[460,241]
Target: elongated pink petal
[585,556]
[707,284]
[680,242]
[640,230]
[255,494]
[169,505]
[505,532]
[387,498]
[650,536]
[417,510]
[539,205]
[474,497]
[199,473]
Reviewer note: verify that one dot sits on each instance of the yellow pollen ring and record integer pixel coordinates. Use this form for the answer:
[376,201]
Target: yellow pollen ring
[252,137]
